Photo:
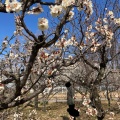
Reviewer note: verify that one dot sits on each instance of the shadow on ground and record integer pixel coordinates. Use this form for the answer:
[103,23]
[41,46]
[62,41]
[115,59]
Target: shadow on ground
[65,118]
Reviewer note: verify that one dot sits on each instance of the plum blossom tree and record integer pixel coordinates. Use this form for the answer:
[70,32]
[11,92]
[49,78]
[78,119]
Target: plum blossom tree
[74,31]
[20,60]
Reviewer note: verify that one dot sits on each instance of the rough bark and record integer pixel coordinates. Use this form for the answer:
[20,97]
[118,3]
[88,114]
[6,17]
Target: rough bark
[96,102]
[36,102]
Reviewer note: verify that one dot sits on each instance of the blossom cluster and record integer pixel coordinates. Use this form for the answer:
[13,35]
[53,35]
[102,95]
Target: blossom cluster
[111,116]
[90,111]
[56,10]
[18,116]
[112,18]
[45,56]
[4,44]
[63,42]
[71,14]
[87,5]
[2,87]
[13,57]
[36,10]
[48,58]
[103,28]
[19,27]
[14,6]
[43,24]
[31,115]
[66,3]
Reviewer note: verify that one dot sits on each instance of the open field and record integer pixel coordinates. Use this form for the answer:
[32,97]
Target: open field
[57,111]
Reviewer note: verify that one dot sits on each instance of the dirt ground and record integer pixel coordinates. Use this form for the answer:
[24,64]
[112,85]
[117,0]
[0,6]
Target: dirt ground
[58,111]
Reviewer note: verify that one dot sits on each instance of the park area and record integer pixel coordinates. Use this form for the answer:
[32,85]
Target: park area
[56,109]
[59,59]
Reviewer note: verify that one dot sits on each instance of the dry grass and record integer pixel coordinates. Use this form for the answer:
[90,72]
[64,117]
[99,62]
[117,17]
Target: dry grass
[57,111]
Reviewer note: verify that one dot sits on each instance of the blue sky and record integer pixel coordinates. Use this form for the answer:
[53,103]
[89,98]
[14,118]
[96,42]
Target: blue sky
[7,24]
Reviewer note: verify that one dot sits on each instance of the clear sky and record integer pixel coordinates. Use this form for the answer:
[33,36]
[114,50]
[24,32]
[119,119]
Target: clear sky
[7,25]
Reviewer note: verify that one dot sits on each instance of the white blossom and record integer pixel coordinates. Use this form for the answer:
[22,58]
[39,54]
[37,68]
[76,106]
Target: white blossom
[18,30]
[55,10]
[110,13]
[1,87]
[16,56]
[11,55]
[80,5]
[106,27]
[112,114]
[43,24]
[73,38]
[68,42]
[16,6]
[89,28]
[66,31]
[71,14]
[81,47]
[75,43]
[109,44]
[36,10]
[89,7]
[86,102]
[18,98]
[91,111]
[105,20]
[117,21]
[16,116]
[31,90]
[66,3]
[4,44]
[8,6]
[13,6]
[70,57]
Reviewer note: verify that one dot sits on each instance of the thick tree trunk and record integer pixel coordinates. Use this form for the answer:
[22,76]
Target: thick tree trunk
[36,102]
[108,98]
[96,102]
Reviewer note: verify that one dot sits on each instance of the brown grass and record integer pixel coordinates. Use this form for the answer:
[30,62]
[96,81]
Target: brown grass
[57,111]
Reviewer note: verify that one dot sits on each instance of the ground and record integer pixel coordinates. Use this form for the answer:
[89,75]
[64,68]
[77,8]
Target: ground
[57,111]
